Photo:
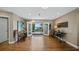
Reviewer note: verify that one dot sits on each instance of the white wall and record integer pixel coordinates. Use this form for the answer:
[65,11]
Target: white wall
[78,28]
[9,15]
[15,19]
[72,30]
[12,22]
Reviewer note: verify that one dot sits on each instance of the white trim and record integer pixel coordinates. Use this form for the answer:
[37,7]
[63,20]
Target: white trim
[28,29]
[59,38]
[12,42]
[4,16]
[75,46]
[37,32]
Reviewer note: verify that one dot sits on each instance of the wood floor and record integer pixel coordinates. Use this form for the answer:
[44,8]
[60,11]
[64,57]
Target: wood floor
[37,43]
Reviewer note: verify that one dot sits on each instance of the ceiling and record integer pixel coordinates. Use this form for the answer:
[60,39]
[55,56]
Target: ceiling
[39,12]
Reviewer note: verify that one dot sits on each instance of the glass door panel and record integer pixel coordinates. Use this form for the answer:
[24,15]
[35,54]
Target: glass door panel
[46,28]
[29,28]
[37,28]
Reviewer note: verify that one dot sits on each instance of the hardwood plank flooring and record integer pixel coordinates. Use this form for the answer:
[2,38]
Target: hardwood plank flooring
[37,43]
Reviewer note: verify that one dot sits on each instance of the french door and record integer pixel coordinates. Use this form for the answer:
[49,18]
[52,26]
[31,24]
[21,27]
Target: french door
[46,28]
[29,28]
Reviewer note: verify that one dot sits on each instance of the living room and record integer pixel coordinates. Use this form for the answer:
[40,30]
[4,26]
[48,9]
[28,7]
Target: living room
[59,25]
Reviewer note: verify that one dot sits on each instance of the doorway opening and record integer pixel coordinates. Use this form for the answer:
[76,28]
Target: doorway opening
[35,28]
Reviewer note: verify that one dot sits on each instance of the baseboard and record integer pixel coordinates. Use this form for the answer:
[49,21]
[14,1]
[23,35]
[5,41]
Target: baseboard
[71,44]
[12,42]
